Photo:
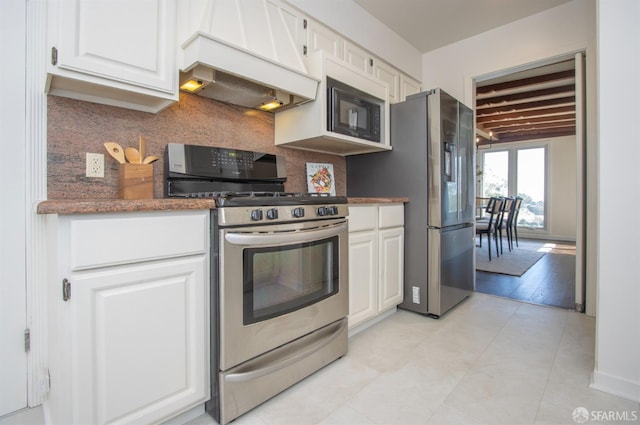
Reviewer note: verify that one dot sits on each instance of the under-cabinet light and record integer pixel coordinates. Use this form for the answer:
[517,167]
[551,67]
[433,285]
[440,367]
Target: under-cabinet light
[196,79]
[271,105]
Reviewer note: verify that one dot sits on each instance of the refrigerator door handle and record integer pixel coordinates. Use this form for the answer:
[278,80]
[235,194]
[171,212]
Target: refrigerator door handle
[450,169]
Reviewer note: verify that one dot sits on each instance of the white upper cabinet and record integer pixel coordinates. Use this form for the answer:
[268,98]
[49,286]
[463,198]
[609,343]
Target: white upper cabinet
[358,57]
[408,86]
[385,72]
[115,53]
[321,38]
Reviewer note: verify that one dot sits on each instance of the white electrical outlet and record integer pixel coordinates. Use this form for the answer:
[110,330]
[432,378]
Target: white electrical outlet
[416,294]
[95,165]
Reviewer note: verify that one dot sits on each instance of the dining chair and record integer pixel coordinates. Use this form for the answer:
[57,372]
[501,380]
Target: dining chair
[509,211]
[481,205]
[488,227]
[507,221]
[500,222]
[514,222]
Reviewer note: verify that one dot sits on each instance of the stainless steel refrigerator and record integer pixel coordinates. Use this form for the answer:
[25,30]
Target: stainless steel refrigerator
[431,163]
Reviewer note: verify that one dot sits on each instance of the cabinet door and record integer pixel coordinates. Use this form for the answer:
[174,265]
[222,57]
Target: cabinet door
[363,279]
[139,341]
[131,42]
[408,87]
[295,23]
[322,38]
[386,73]
[391,260]
[358,57]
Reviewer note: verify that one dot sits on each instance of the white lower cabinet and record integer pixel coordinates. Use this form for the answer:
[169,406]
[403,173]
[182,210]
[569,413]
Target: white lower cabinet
[376,260]
[363,276]
[128,333]
[391,266]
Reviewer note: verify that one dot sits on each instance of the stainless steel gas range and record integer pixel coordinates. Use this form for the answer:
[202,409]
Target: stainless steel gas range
[279,277]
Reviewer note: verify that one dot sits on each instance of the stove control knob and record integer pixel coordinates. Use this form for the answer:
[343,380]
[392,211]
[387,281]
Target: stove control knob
[298,212]
[256,215]
[333,210]
[272,214]
[322,211]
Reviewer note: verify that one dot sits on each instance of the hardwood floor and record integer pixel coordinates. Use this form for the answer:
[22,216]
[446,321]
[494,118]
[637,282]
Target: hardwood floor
[551,281]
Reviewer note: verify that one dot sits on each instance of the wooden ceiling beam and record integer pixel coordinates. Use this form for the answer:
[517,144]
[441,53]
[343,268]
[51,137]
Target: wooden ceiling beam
[526,105]
[542,129]
[536,136]
[525,82]
[498,131]
[525,137]
[485,102]
[530,120]
[525,114]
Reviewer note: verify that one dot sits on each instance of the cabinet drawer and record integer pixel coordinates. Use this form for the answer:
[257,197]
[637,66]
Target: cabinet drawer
[363,218]
[391,216]
[106,240]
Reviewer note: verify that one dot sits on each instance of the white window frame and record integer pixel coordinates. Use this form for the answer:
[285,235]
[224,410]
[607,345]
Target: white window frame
[512,178]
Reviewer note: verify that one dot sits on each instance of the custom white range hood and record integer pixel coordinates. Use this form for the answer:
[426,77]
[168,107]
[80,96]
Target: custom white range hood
[244,52]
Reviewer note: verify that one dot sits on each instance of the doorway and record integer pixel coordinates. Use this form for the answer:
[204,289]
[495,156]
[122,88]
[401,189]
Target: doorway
[530,144]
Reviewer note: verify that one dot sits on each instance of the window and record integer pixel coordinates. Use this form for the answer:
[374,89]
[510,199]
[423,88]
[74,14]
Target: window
[521,172]
[495,181]
[530,184]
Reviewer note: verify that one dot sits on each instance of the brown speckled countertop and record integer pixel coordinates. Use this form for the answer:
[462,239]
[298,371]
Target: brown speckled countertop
[93,206]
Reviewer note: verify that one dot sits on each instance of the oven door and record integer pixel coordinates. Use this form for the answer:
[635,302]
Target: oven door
[279,283]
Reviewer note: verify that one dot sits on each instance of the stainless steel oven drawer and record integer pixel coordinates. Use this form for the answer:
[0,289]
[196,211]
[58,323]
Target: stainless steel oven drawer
[257,380]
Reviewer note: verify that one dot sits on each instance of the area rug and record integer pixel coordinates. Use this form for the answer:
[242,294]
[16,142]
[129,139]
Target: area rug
[514,263]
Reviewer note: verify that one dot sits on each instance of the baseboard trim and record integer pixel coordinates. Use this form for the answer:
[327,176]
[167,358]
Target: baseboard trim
[546,237]
[615,385]
[361,327]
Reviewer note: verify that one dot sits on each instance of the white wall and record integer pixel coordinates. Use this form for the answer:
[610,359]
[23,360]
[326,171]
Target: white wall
[618,326]
[561,187]
[353,22]
[557,32]
[13,313]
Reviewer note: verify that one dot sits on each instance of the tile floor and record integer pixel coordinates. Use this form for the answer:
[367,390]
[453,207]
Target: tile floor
[489,361]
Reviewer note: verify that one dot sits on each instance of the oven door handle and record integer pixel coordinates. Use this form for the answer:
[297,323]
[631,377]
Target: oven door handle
[257,239]
[312,348]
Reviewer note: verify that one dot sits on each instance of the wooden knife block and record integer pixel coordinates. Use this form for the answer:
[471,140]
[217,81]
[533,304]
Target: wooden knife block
[135,181]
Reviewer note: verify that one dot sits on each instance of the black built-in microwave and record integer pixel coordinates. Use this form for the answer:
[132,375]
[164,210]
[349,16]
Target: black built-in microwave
[353,112]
